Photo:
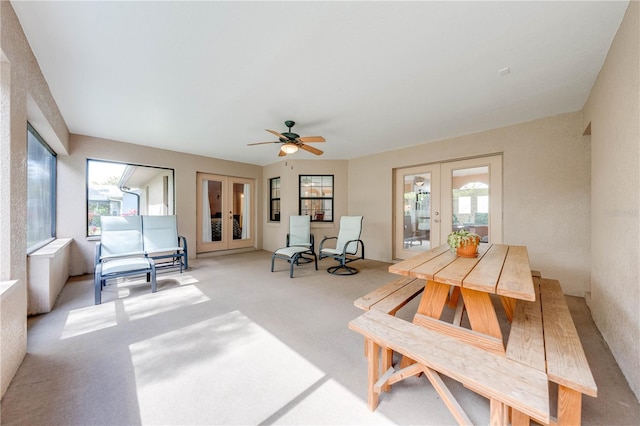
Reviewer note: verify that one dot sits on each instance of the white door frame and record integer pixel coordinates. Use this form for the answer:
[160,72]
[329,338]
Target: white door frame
[401,251]
[441,223]
[228,207]
[494,163]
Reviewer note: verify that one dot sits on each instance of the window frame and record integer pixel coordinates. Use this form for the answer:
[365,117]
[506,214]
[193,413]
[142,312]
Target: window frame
[274,215]
[302,198]
[142,193]
[53,168]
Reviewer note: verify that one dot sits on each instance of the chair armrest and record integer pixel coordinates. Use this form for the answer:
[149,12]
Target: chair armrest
[96,260]
[344,249]
[182,241]
[181,247]
[325,239]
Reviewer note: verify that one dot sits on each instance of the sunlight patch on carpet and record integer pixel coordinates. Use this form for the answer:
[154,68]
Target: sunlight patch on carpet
[332,404]
[178,374]
[90,319]
[163,301]
[184,279]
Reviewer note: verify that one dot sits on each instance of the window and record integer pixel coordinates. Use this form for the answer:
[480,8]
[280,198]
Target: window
[121,189]
[316,197]
[464,205]
[274,199]
[471,201]
[483,204]
[41,191]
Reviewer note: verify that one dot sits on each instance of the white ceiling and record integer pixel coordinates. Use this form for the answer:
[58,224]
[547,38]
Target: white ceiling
[208,77]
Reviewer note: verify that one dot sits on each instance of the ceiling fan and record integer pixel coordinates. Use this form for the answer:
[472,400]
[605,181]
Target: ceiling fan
[291,142]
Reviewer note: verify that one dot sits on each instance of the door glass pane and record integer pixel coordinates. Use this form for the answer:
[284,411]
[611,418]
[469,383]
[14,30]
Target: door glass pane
[417,212]
[213,225]
[241,211]
[470,198]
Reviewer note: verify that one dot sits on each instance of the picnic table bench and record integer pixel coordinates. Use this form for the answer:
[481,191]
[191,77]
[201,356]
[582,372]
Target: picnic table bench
[392,296]
[507,383]
[542,339]
[389,299]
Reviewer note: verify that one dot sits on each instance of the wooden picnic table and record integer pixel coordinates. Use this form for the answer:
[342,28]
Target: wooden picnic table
[543,342]
[498,269]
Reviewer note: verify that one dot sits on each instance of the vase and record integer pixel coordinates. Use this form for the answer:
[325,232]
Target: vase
[469,250]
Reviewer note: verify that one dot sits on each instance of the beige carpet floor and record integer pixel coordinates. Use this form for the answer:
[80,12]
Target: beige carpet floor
[229,342]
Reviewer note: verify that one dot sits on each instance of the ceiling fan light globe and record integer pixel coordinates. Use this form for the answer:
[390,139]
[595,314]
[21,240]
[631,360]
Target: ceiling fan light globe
[289,148]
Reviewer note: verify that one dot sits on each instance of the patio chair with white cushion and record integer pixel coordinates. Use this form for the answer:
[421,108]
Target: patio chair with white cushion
[120,252]
[348,245]
[161,241]
[300,242]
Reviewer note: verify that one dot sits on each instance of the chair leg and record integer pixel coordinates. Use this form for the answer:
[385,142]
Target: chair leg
[346,270]
[342,267]
[273,258]
[293,261]
[97,283]
[153,277]
[349,270]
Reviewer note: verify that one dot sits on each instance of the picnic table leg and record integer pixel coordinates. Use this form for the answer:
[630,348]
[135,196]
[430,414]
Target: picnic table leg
[387,363]
[387,359]
[373,373]
[482,315]
[569,406]
[431,304]
[455,295]
[518,418]
[498,413]
[433,299]
[509,305]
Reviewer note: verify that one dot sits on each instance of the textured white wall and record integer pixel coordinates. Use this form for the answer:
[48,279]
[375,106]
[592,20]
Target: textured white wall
[25,96]
[13,340]
[72,188]
[613,111]
[545,192]
[275,234]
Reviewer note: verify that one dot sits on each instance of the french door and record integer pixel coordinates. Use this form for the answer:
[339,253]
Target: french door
[224,213]
[417,209]
[435,199]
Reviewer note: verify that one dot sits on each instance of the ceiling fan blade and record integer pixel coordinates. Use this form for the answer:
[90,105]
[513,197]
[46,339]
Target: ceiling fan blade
[311,139]
[262,143]
[311,149]
[279,135]
[282,153]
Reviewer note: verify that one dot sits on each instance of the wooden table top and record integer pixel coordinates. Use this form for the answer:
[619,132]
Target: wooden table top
[499,269]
